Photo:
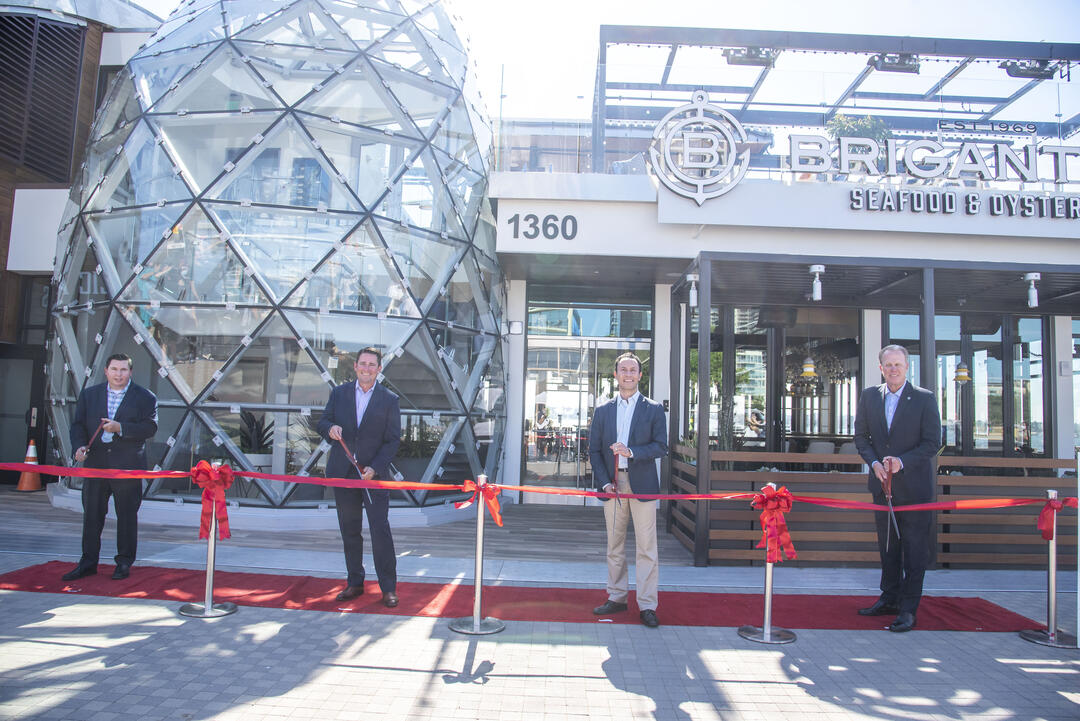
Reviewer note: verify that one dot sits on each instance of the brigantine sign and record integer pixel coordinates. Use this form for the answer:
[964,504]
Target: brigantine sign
[700,152]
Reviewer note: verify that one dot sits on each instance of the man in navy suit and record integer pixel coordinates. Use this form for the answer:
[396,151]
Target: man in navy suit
[632,429]
[898,429]
[368,418]
[127,414]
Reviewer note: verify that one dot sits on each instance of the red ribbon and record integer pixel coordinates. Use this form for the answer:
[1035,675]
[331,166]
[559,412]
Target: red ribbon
[1049,512]
[774,503]
[214,480]
[490,493]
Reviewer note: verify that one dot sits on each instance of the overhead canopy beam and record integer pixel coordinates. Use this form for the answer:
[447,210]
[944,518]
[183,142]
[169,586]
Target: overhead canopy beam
[670,62]
[947,77]
[863,75]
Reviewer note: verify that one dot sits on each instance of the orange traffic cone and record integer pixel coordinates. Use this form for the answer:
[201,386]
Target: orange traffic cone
[30,480]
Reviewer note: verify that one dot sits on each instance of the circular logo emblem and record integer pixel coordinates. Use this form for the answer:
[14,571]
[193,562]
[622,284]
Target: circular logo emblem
[694,150]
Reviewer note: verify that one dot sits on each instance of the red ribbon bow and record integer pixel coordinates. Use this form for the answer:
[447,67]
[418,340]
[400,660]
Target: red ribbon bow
[489,491]
[774,503]
[1046,515]
[214,480]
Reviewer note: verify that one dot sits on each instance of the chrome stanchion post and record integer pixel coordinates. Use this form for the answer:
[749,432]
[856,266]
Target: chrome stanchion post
[477,625]
[766,633]
[209,609]
[1051,636]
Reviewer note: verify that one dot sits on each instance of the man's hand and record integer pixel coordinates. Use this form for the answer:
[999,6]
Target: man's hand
[892,463]
[110,426]
[621,450]
[80,453]
[368,473]
[880,471]
[335,433]
[609,488]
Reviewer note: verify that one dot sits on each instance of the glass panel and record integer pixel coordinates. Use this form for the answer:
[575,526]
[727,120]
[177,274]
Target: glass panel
[222,83]
[119,337]
[80,281]
[821,363]
[456,302]
[301,24]
[417,376]
[1029,407]
[282,245]
[273,369]
[335,339]
[904,330]
[424,201]
[749,410]
[1076,381]
[142,174]
[466,185]
[443,39]
[590,321]
[120,108]
[364,25]
[201,27]
[421,434]
[422,102]
[130,235]
[986,382]
[422,258]
[455,138]
[358,97]
[365,158]
[155,75]
[950,395]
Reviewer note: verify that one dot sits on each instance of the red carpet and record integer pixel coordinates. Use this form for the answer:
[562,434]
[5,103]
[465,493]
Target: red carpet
[510,603]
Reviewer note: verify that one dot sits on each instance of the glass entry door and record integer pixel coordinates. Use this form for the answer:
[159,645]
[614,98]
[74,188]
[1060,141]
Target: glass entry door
[565,380]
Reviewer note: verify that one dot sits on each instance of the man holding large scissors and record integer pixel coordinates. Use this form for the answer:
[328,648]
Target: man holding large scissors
[362,422]
[898,434]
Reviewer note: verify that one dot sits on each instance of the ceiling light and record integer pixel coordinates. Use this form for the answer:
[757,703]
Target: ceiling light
[815,284]
[1033,292]
[897,63]
[1033,69]
[759,57]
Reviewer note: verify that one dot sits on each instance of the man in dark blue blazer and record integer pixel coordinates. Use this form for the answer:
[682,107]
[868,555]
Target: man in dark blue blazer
[367,417]
[898,429]
[632,429]
[127,414]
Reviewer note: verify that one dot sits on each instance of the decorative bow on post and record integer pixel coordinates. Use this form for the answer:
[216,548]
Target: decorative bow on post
[489,491]
[214,480]
[774,503]
[1046,515]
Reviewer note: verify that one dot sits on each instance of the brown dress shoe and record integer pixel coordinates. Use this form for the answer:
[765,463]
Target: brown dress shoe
[389,599]
[350,592]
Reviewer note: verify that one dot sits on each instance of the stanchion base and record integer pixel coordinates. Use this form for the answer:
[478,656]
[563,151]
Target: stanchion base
[1060,640]
[199,610]
[757,634]
[485,627]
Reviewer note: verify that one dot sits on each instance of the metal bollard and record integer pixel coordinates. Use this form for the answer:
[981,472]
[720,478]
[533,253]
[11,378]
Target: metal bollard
[1051,636]
[477,625]
[209,609]
[766,633]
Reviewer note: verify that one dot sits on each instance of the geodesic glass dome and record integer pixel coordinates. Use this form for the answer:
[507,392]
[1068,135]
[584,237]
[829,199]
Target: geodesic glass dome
[270,187]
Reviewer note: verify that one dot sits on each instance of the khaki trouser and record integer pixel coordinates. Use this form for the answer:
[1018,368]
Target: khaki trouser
[617,514]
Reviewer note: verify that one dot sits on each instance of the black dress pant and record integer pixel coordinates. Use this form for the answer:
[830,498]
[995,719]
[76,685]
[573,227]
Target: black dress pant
[903,566]
[350,511]
[127,497]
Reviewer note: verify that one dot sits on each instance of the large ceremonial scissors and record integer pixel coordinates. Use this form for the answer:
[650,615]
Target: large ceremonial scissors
[886,486]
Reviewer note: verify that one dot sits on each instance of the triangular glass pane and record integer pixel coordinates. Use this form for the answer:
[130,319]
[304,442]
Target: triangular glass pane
[407,49]
[478,117]
[130,235]
[367,159]
[302,23]
[443,39]
[425,441]
[142,175]
[65,381]
[458,297]
[242,14]
[221,83]
[334,338]
[196,29]
[491,290]
[170,420]
[100,156]
[488,415]
[119,337]
[196,342]
[423,200]
[282,245]
[426,260]
[87,327]
[360,276]
[79,281]
[422,100]
[484,234]
[364,25]
[273,368]
[357,96]
[466,187]
[195,265]
[203,144]
[120,108]
[461,349]
[454,137]
[285,169]
[418,376]
[293,72]
[156,75]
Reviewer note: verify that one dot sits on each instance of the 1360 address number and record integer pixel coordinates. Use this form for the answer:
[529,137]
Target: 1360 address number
[532,226]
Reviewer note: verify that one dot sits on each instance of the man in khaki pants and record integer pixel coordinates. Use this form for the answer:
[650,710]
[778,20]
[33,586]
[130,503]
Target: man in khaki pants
[632,429]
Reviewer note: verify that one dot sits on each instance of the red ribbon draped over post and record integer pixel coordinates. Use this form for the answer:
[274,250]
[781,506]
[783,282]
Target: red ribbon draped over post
[1046,515]
[214,480]
[490,493]
[774,503]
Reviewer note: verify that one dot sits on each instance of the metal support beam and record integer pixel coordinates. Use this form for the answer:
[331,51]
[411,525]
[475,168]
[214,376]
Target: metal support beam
[927,343]
[701,422]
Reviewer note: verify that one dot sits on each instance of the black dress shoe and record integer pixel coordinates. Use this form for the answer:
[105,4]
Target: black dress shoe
[350,592]
[904,622]
[390,599]
[609,606]
[648,618]
[123,570]
[80,571]
[880,608]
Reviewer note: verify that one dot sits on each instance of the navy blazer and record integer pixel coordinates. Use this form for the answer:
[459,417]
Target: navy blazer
[647,441]
[374,442]
[914,438]
[137,416]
